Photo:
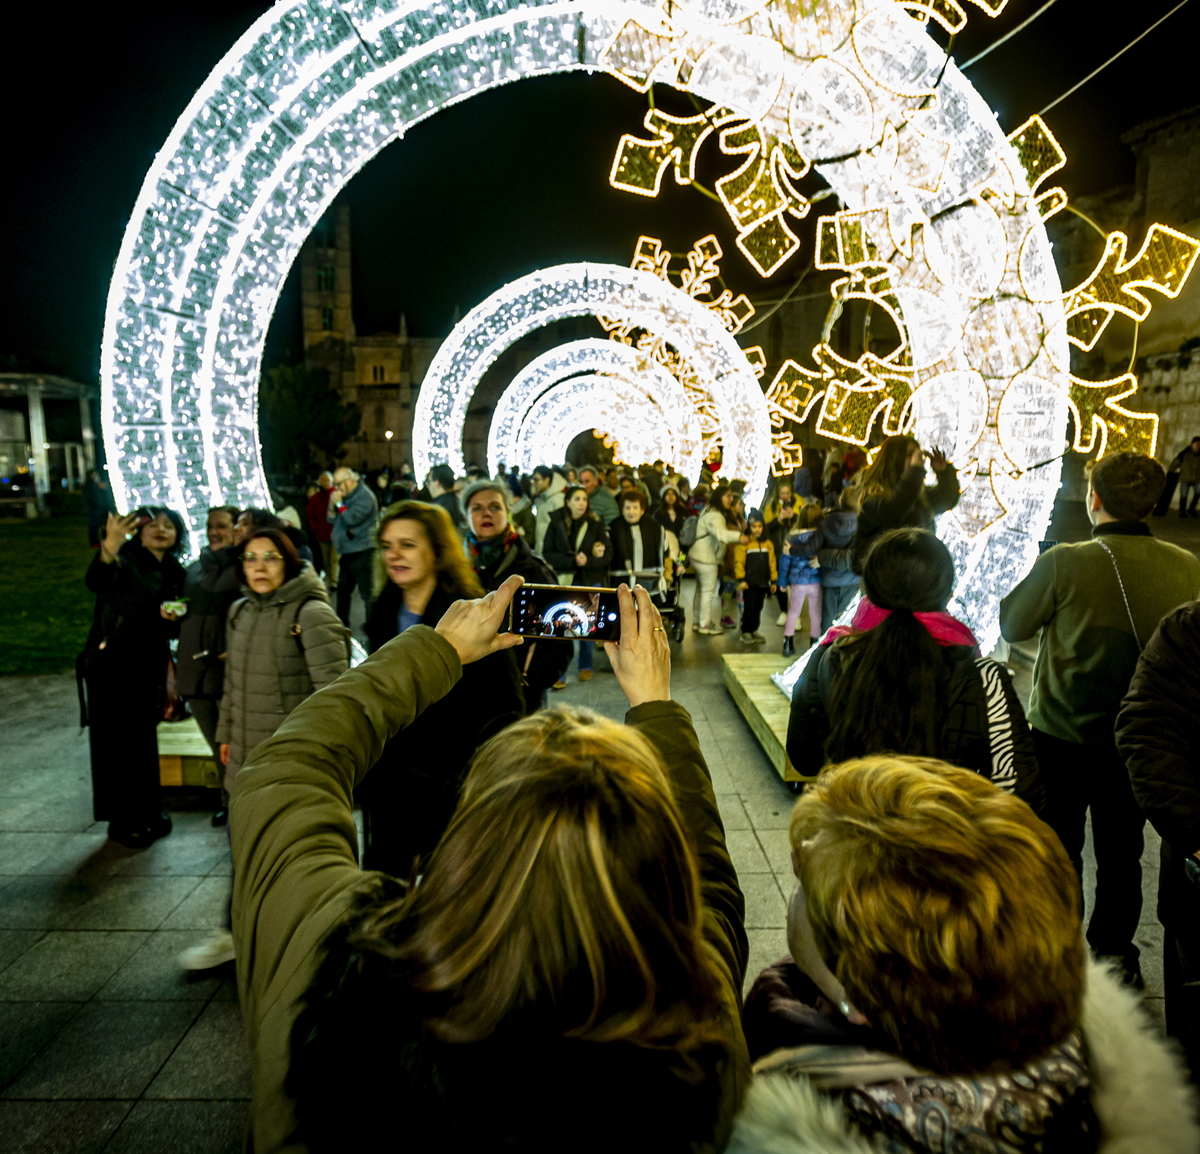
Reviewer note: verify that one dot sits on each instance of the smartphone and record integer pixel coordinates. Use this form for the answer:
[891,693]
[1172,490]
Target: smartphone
[565,612]
[1045,545]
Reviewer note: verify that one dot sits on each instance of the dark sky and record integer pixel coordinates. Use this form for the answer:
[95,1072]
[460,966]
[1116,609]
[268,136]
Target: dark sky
[502,184]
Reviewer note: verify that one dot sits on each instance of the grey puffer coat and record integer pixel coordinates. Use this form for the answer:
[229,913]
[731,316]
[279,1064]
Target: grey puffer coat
[268,671]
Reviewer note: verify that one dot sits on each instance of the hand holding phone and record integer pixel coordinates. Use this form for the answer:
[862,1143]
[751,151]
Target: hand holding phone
[642,658]
[565,612]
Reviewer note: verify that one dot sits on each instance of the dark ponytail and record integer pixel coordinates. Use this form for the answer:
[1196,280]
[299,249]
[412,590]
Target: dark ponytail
[888,694]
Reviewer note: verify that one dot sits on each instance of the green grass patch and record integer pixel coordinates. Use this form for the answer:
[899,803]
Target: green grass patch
[45,608]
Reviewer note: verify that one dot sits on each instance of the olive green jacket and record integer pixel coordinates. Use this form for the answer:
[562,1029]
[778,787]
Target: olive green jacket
[295,854]
[1087,650]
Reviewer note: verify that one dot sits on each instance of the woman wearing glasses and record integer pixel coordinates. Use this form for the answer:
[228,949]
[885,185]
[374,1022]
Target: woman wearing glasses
[283,642]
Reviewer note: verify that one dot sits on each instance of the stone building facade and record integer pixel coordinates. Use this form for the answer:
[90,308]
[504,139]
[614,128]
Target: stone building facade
[381,373]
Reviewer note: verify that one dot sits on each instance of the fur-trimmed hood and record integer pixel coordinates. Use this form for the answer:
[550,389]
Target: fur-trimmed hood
[1140,1092]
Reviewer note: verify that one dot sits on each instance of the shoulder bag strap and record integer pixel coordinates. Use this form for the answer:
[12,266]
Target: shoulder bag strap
[1124,596]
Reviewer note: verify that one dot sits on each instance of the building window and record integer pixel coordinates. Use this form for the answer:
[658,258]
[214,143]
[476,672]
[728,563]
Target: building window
[377,373]
[326,278]
[327,319]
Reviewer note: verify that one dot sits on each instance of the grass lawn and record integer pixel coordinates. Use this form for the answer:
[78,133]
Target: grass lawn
[45,610]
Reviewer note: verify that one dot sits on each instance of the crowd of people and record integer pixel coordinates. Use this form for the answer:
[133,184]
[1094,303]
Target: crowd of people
[541,941]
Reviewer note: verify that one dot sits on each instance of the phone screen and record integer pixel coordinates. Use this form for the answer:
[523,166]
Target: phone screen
[568,612]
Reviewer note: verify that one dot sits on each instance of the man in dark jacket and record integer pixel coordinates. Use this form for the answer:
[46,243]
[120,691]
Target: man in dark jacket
[1092,605]
[441,491]
[1158,734]
[211,585]
[354,514]
[497,551]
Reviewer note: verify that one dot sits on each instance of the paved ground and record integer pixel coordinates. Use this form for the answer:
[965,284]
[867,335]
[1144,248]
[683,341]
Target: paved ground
[106,1045]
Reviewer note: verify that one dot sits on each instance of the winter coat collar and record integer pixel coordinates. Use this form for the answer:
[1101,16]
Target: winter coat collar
[305,586]
[1123,528]
[1139,1094]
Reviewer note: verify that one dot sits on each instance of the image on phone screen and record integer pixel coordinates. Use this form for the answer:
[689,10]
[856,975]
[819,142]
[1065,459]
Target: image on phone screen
[567,612]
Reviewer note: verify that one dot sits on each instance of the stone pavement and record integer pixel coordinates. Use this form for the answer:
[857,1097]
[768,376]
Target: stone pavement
[106,1045]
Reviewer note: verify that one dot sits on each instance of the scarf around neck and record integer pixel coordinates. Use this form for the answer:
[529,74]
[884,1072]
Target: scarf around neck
[485,554]
[943,628]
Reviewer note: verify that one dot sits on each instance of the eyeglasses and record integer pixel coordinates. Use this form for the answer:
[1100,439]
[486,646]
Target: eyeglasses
[269,558]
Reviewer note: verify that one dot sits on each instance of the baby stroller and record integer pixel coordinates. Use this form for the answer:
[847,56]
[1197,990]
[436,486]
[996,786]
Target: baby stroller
[664,594]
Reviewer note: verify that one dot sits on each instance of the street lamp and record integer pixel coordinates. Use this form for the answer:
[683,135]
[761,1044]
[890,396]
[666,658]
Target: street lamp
[388,436]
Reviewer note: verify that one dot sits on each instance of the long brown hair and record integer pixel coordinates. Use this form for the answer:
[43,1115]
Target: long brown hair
[882,475]
[566,881]
[454,572]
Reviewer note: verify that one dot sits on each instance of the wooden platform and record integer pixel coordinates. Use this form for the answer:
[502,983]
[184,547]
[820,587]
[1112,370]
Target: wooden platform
[184,757]
[747,676]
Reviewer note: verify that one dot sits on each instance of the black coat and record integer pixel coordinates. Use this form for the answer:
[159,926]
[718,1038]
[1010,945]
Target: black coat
[541,663]
[453,505]
[911,505]
[1158,729]
[663,516]
[560,549]
[123,668]
[983,725]
[211,585]
[412,790]
[621,534]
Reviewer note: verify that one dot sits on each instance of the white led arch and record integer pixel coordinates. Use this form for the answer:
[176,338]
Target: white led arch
[622,294]
[617,407]
[313,90]
[680,443]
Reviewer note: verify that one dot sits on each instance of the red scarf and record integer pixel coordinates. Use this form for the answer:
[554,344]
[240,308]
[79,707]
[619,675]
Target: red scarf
[943,628]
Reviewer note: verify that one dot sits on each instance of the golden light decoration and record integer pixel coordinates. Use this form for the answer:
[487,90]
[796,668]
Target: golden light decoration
[941,228]
[702,268]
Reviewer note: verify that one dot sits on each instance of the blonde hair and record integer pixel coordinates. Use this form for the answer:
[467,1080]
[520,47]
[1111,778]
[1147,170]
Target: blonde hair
[567,879]
[946,909]
[882,475]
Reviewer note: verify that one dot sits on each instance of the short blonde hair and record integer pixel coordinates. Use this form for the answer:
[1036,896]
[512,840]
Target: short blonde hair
[946,909]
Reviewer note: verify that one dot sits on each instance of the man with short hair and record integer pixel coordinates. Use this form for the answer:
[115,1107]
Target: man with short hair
[549,487]
[601,500]
[354,513]
[440,484]
[1096,603]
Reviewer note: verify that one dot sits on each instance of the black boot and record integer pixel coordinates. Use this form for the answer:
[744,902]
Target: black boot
[789,646]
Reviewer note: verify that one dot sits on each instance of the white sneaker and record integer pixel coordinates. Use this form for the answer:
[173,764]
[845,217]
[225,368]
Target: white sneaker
[215,950]
[782,618]
[711,630]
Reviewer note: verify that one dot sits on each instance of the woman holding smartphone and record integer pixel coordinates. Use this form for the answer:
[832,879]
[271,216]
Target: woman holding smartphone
[579,548]
[413,787]
[136,577]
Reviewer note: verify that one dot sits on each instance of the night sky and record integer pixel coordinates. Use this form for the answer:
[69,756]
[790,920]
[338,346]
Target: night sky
[491,189]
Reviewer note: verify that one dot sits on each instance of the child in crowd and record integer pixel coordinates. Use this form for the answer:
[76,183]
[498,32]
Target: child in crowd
[839,582]
[800,570]
[756,573]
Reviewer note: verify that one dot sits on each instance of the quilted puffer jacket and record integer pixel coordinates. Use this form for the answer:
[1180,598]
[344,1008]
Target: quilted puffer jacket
[268,669]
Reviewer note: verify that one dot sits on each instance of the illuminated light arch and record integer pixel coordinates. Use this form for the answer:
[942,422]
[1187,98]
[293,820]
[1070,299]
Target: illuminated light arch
[680,435]
[625,295]
[616,407]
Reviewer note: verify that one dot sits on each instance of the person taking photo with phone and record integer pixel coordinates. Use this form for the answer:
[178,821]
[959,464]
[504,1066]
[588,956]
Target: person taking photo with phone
[891,493]
[579,548]
[124,668]
[568,968]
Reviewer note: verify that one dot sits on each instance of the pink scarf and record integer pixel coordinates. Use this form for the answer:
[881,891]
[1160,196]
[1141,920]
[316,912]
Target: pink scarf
[943,628]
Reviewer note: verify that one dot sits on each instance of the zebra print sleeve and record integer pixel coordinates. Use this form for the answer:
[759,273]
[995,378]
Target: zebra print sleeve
[999,725]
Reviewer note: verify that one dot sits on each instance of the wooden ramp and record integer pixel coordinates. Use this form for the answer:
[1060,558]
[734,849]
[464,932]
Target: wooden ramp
[184,757]
[747,676]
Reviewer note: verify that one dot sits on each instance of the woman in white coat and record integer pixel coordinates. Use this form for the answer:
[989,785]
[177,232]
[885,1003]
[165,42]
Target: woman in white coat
[707,553]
